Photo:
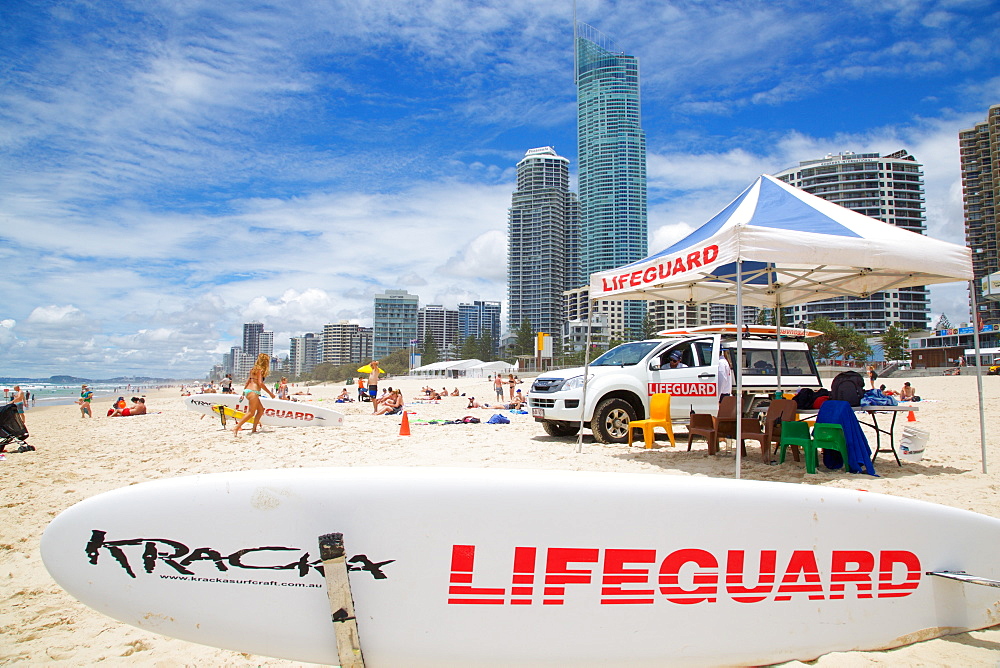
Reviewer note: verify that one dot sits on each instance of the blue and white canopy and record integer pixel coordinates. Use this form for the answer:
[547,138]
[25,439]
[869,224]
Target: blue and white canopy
[794,247]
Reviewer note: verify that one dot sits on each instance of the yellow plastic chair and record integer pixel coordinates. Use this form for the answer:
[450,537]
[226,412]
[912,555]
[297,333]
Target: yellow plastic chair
[659,416]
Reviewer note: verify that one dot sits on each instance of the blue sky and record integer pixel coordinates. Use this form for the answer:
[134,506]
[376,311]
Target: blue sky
[170,170]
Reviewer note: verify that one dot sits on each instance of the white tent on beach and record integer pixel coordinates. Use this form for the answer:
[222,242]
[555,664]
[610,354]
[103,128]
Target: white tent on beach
[775,246]
[463,369]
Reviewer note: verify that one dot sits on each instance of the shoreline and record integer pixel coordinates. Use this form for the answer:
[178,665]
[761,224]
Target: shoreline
[80,457]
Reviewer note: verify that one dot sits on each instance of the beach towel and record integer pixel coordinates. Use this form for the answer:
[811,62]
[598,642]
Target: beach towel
[859,454]
[498,419]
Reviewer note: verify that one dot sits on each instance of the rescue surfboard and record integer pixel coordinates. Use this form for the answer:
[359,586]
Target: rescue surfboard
[277,412]
[749,330]
[502,567]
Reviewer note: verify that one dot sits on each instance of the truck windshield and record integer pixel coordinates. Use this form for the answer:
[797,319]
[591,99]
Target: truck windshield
[627,354]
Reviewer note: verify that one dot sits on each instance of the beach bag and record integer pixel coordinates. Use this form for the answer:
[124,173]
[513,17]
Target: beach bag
[805,397]
[877,398]
[848,386]
[498,419]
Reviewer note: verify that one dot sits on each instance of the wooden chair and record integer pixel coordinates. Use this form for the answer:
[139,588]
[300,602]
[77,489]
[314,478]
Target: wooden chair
[659,416]
[714,427]
[768,434]
[704,425]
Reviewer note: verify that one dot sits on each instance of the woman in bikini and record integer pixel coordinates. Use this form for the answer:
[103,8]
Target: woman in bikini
[255,384]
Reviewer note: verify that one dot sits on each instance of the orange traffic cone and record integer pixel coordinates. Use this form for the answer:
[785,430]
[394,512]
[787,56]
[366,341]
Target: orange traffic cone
[404,426]
[911,417]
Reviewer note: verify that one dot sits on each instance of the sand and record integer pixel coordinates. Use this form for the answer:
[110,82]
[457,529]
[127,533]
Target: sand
[77,458]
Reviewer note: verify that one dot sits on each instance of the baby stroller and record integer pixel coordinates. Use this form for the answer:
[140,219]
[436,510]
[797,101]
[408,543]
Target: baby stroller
[12,429]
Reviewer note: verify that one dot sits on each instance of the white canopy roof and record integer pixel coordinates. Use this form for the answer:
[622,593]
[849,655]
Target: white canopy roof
[795,248]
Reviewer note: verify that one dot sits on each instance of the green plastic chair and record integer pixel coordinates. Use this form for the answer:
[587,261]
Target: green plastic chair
[794,433]
[828,437]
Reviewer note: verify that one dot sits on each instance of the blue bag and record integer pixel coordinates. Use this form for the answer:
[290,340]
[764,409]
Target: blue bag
[498,419]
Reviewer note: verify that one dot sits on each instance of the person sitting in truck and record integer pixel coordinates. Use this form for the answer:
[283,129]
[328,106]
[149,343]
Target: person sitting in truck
[674,360]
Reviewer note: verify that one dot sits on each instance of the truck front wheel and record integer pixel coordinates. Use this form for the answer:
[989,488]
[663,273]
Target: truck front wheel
[553,428]
[611,418]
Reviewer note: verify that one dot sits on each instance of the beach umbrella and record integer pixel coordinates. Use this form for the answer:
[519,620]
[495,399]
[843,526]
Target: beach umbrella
[368,369]
[776,246]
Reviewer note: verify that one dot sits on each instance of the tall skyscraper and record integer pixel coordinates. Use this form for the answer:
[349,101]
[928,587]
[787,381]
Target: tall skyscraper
[889,188]
[251,338]
[479,317]
[980,154]
[612,162]
[394,322]
[542,228]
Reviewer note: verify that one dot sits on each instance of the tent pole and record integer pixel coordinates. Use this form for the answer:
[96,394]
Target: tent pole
[979,372]
[738,367]
[777,331]
[586,370]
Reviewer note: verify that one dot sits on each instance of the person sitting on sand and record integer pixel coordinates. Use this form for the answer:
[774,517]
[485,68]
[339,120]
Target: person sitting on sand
[343,397]
[907,393]
[473,403]
[254,386]
[391,404]
[455,393]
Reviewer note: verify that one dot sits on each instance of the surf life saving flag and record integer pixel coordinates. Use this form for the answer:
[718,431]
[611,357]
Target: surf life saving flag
[794,247]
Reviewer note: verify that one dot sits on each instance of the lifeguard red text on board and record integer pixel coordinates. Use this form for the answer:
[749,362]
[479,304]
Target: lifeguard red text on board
[689,576]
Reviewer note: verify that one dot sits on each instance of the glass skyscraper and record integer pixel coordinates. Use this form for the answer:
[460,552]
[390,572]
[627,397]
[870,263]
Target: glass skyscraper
[612,163]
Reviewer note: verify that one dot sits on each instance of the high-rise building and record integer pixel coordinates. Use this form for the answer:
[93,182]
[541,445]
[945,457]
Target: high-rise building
[889,188]
[612,163]
[346,343]
[251,338]
[265,343]
[542,225]
[303,353]
[394,322]
[479,317]
[434,320]
[980,151]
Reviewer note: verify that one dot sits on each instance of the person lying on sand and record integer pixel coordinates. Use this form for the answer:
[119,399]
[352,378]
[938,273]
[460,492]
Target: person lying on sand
[138,407]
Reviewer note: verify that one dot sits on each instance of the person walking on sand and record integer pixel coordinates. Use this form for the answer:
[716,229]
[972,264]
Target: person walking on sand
[251,391]
[18,400]
[85,398]
[373,385]
[872,376]
[498,387]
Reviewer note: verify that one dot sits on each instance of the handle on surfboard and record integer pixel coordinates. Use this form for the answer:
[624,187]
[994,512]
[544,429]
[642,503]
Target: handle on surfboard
[962,576]
[338,590]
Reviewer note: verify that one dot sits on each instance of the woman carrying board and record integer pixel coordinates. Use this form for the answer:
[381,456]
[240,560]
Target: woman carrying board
[251,391]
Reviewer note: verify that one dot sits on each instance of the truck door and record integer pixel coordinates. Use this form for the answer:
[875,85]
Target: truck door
[691,381]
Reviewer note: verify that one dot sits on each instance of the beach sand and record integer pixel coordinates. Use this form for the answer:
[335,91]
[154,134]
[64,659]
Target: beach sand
[77,458]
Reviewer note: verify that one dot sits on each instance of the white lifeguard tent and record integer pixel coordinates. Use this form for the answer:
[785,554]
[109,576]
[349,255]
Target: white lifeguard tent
[775,246]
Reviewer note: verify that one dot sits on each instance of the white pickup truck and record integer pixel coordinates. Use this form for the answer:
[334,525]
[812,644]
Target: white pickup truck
[622,380]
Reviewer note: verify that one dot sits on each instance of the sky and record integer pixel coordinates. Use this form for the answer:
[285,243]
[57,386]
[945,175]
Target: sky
[172,169]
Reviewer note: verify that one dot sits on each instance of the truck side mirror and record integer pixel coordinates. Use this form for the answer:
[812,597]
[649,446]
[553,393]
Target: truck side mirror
[654,366]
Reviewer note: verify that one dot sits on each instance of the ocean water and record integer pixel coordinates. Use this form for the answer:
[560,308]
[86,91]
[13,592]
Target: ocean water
[45,394]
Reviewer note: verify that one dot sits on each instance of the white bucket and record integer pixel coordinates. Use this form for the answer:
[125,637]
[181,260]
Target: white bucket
[911,447]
